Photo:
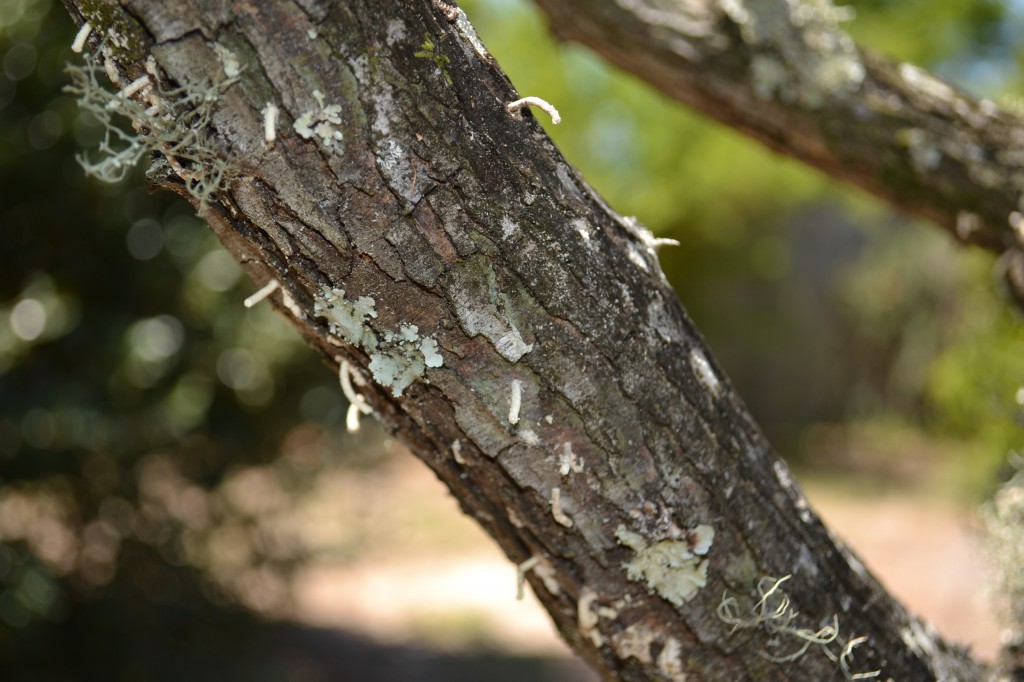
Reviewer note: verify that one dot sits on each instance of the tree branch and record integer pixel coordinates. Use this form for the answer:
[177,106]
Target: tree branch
[509,327]
[787,75]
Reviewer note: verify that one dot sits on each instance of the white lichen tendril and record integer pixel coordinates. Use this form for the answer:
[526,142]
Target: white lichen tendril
[265,291]
[773,612]
[546,107]
[357,404]
[568,461]
[556,508]
[515,401]
[128,91]
[521,571]
[847,655]
[270,114]
[81,37]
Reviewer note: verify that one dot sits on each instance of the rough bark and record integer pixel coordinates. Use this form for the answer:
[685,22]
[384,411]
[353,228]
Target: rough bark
[409,217]
[787,75]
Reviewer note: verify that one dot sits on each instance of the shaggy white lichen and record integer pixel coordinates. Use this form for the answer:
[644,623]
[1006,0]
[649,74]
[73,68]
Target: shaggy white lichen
[673,569]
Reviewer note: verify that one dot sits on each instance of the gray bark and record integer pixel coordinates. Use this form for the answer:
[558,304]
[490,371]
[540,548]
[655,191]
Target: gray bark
[409,217]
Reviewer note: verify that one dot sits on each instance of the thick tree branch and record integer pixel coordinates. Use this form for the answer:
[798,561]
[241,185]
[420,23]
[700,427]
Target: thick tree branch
[787,75]
[514,331]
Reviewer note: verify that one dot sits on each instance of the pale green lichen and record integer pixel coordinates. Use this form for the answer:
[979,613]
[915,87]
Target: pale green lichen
[397,358]
[319,123]
[228,60]
[482,309]
[174,123]
[800,53]
[431,358]
[402,358]
[395,31]
[673,569]
[347,319]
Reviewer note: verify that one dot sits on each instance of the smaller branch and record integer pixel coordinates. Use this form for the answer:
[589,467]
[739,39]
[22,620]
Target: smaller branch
[799,85]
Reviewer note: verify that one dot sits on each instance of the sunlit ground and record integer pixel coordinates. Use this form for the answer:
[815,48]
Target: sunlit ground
[426,575]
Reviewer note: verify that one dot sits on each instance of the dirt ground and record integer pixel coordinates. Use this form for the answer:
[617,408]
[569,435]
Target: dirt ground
[926,552]
[425,575]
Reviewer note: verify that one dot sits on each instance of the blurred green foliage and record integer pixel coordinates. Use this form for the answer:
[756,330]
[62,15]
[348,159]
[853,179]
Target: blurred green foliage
[154,433]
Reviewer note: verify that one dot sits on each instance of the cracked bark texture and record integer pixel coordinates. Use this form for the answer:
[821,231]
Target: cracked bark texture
[786,74]
[633,477]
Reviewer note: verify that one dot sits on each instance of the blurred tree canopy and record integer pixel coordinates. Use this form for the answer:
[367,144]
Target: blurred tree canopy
[154,433]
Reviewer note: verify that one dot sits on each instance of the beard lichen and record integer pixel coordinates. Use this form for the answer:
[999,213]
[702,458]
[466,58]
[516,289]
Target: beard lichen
[773,615]
[144,118]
